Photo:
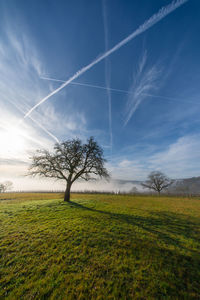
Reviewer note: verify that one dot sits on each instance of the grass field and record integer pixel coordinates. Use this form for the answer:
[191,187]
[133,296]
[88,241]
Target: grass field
[99,247]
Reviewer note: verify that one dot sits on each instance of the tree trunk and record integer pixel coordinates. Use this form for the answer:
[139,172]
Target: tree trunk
[67,192]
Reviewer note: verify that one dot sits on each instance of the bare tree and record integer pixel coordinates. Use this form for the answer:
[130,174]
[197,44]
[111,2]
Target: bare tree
[2,188]
[71,160]
[5,186]
[133,190]
[157,181]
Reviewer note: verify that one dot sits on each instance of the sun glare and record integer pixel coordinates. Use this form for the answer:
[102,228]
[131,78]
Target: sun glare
[12,142]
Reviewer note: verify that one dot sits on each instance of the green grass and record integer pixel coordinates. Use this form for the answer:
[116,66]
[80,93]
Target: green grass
[99,247]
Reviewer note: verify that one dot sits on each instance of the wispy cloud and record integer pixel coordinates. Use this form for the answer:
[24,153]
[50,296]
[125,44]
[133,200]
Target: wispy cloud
[25,51]
[72,123]
[162,13]
[20,87]
[144,82]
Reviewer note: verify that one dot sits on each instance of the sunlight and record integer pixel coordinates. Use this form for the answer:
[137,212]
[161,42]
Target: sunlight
[12,141]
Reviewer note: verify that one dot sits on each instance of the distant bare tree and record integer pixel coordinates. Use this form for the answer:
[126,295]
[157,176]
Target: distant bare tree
[134,190]
[5,186]
[2,188]
[157,181]
[71,160]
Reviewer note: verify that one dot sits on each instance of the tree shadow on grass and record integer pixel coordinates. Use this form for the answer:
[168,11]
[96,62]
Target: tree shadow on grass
[174,264]
[164,225]
[132,263]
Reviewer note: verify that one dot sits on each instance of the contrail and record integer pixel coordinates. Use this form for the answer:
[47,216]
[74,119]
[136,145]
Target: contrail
[107,74]
[123,91]
[86,84]
[162,13]
[45,130]
[38,124]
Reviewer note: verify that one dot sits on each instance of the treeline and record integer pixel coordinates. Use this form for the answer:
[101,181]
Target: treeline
[123,193]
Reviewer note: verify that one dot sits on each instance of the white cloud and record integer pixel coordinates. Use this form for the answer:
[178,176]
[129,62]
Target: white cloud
[181,159]
[127,169]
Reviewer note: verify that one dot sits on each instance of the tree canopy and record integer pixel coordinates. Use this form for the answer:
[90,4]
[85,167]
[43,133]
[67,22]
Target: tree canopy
[157,181]
[5,186]
[71,160]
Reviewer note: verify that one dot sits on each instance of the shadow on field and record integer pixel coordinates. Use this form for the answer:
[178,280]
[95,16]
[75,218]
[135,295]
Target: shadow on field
[91,252]
[161,224]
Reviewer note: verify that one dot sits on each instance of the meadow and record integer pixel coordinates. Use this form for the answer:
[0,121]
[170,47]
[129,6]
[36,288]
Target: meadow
[99,247]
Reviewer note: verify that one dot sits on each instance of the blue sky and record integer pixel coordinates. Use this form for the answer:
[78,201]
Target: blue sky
[145,110]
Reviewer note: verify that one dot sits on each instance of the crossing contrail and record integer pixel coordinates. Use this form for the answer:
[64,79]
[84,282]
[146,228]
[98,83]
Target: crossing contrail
[122,91]
[162,13]
[86,84]
[107,74]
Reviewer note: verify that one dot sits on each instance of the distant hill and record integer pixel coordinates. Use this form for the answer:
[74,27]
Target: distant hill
[122,181]
[187,185]
[183,186]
